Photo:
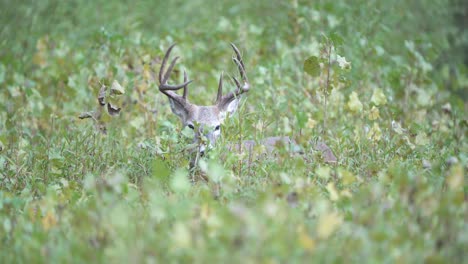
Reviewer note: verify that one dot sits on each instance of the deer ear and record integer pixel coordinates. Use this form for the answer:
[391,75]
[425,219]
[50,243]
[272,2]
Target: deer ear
[229,107]
[181,109]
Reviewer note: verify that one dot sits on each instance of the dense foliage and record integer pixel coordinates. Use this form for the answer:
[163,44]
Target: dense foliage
[383,83]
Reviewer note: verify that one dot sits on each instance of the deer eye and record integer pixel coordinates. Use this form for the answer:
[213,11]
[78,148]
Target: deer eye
[191,126]
[217,128]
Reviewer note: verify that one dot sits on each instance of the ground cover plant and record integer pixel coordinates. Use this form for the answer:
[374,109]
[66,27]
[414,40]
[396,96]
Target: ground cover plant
[94,166]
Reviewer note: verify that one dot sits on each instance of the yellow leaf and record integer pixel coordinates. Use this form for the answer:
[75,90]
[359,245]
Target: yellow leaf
[305,240]
[455,178]
[311,123]
[346,193]
[146,72]
[421,139]
[328,223]
[32,212]
[49,221]
[354,104]
[346,176]
[374,113]
[205,212]
[332,191]
[40,57]
[374,134]
[181,236]
[323,172]
[378,97]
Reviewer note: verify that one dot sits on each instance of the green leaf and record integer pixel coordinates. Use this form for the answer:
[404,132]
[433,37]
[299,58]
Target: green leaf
[180,182]
[301,118]
[160,169]
[2,73]
[336,39]
[312,66]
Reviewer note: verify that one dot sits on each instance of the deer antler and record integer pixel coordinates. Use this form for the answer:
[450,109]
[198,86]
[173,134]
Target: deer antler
[166,88]
[223,101]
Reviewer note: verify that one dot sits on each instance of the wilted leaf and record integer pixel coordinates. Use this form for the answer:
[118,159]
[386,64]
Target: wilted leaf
[116,88]
[113,110]
[312,66]
[86,115]
[102,95]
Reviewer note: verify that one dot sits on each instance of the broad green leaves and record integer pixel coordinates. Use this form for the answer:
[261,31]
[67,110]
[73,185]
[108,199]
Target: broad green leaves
[312,66]
[395,121]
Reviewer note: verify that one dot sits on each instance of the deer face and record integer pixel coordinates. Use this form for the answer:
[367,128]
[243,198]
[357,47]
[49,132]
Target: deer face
[206,121]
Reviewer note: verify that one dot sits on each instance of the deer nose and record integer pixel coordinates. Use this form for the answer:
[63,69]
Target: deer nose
[202,150]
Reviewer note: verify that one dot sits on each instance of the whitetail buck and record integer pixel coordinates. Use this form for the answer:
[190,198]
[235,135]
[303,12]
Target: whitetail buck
[207,120]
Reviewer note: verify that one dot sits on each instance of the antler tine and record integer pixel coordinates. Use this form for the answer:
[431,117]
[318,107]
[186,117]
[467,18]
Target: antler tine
[239,87]
[163,64]
[167,75]
[163,78]
[220,88]
[185,87]
[238,61]
[224,100]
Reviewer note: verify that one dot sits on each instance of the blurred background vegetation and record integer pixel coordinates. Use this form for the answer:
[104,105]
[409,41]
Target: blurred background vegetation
[396,120]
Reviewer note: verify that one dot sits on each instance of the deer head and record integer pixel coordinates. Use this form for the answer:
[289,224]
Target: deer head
[205,120]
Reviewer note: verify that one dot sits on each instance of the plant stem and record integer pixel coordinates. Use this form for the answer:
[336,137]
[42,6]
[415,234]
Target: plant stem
[327,87]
